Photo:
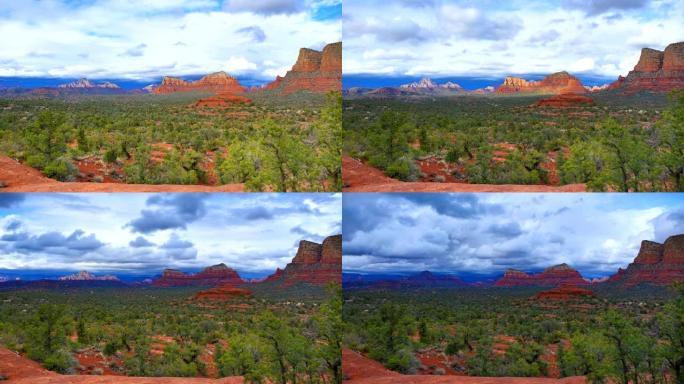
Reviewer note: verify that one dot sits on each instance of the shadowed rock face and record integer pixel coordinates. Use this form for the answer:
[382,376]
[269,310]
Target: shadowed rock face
[658,264]
[561,274]
[211,276]
[656,71]
[314,263]
[556,83]
[314,71]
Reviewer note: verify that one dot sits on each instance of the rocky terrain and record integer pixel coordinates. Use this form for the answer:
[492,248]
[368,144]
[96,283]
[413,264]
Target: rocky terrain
[20,370]
[314,71]
[564,293]
[561,274]
[219,82]
[556,83]
[211,276]
[656,71]
[222,100]
[658,264]
[360,177]
[358,369]
[314,263]
[565,101]
[87,276]
[224,292]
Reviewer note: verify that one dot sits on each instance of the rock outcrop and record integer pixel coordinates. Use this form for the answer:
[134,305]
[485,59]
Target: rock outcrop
[656,71]
[211,276]
[565,101]
[87,276]
[556,83]
[314,71]
[222,100]
[427,85]
[565,293]
[219,82]
[317,264]
[557,275]
[657,264]
[224,292]
[87,84]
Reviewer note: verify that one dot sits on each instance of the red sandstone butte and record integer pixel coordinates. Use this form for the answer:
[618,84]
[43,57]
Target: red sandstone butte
[656,71]
[211,276]
[556,83]
[314,71]
[561,274]
[317,264]
[657,264]
[564,293]
[224,292]
[565,101]
[219,82]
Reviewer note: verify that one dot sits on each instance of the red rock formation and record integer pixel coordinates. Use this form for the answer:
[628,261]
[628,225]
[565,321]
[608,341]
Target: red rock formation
[314,71]
[556,83]
[565,101]
[564,293]
[314,263]
[210,276]
[658,264]
[219,82]
[224,292]
[561,274]
[656,71]
[222,100]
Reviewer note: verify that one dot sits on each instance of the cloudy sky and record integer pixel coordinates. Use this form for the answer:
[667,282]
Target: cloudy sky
[145,39]
[487,233]
[124,232]
[495,38]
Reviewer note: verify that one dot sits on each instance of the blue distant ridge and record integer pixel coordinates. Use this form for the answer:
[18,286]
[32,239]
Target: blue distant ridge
[52,82]
[467,82]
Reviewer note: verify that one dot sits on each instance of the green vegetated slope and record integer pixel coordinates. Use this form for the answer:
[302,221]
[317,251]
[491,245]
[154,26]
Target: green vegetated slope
[622,143]
[145,331]
[618,336]
[277,143]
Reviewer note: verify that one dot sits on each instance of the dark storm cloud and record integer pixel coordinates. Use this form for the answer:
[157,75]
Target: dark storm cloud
[668,224]
[254,32]
[179,249]
[461,205]
[265,7]
[172,211]
[13,224]
[176,242]
[8,200]
[257,213]
[76,241]
[595,7]
[140,242]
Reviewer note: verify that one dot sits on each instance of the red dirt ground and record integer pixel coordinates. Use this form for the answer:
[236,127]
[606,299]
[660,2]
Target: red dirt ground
[359,177]
[358,369]
[22,178]
[20,370]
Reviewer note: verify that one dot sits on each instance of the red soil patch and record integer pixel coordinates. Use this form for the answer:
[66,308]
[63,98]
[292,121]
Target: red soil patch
[565,101]
[21,178]
[437,170]
[222,100]
[93,169]
[434,360]
[359,177]
[358,369]
[225,292]
[564,293]
[20,370]
[91,360]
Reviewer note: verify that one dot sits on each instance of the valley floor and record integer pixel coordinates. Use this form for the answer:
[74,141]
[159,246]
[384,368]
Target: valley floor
[21,178]
[20,370]
[360,177]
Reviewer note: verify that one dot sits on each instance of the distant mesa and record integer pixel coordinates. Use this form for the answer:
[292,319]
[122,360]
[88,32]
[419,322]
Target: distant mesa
[561,274]
[87,276]
[656,71]
[556,83]
[87,84]
[565,293]
[657,264]
[565,101]
[218,82]
[224,292]
[314,71]
[211,276]
[426,84]
[316,264]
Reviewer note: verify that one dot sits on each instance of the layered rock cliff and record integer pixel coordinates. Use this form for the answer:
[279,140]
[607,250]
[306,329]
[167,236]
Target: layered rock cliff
[317,264]
[656,71]
[314,71]
[658,264]
[556,83]
[561,274]
[211,276]
[219,82]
